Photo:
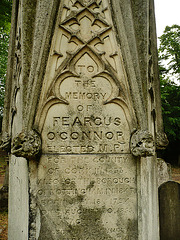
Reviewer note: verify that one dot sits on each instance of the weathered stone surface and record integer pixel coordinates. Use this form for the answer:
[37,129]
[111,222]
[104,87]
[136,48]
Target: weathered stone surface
[88,197]
[169,205]
[18,209]
[161,140]
[164,171]
[142,144]
[83,76]
[26,144]
[86,177]
[5,142]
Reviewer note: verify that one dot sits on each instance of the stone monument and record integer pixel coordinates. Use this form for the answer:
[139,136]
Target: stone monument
[169,209]
[82,120]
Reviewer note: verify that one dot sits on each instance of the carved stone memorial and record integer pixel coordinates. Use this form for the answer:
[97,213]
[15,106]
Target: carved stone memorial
[84,120]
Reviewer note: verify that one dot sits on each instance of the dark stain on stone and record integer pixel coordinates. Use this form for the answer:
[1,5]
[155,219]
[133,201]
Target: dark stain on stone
[90,226]
[91,185]
[80,198]
[132,228]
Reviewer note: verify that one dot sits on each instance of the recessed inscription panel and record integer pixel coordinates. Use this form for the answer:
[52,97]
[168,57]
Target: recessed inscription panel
[88,123]
[89,196]
[87,177]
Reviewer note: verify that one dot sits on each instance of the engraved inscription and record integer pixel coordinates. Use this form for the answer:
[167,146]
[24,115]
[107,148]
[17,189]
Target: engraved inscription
[87,124]
[86,179]
[71,187]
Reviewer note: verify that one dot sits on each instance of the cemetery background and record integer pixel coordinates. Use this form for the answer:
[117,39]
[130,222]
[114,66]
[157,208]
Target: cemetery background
[175,173]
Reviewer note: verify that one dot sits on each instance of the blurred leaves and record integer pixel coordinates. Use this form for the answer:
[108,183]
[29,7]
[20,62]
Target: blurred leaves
[5,15]
[169,67]
[170,96]
[4,43]
[169,52]
[5,24]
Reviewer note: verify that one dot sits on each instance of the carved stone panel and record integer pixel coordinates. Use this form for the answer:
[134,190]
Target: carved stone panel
[86,181]
[90,196]
[87,177]
[86,122]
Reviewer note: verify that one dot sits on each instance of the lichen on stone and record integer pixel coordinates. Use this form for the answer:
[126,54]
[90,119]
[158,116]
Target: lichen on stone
[26,144]
[5,142]
[161,140]
[142,144]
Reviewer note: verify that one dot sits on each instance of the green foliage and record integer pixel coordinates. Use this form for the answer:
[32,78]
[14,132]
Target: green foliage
[5,15]
[170,96]
[169,66]
[5,23]
[4,41]
[169,51]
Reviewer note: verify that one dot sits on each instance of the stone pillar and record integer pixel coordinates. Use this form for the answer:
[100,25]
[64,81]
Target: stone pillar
[84,120]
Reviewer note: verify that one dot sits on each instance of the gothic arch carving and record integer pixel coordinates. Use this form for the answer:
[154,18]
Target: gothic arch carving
[78,51]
